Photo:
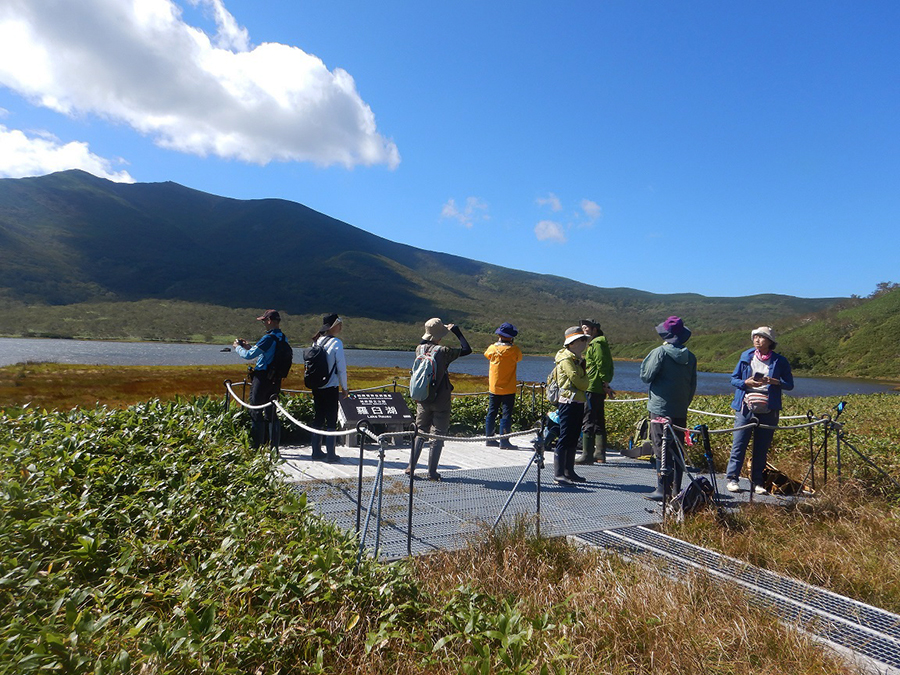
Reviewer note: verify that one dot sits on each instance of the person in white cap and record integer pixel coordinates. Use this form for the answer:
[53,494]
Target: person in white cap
[573,383]
[759,378]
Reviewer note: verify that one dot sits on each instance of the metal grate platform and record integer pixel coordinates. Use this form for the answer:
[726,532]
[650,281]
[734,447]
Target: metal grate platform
[844,623]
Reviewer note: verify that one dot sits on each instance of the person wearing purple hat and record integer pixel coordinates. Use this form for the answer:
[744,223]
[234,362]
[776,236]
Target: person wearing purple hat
[262,387]
[503,356]
[670,370]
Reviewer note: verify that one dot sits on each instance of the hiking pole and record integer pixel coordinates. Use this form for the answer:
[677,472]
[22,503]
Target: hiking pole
[707,451]
[534,457]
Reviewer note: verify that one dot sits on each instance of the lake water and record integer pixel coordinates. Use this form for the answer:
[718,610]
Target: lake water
[531,369]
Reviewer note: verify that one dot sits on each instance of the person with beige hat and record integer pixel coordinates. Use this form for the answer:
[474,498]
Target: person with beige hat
[759,378]
[433,414]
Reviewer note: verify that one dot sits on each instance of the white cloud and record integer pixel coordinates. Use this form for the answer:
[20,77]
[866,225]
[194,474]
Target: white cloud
[138,62]
[550,200]
[22,155]
[548,230]
[474,208]
[592,210]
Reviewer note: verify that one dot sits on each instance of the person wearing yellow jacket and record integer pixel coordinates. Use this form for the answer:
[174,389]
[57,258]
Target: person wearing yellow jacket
[573,382]
[503,356]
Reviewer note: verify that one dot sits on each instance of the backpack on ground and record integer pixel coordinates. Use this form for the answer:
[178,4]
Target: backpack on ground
[552,387]
[423,376]
[696,495]
[639,444]
[282,360]
[315,362]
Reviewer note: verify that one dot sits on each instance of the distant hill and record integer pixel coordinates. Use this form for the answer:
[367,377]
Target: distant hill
[80,249]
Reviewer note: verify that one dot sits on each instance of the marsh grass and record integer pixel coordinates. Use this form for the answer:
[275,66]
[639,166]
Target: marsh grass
[606,615]
[57,386]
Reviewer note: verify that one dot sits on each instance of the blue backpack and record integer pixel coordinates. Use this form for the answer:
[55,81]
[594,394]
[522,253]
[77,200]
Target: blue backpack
[423,376]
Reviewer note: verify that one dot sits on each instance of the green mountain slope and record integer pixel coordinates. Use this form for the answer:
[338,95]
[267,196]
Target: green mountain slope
[70,238]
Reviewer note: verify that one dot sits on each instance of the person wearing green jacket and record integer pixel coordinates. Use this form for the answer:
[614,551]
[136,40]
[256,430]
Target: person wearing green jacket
[599,366]
[573,382]
[670,370]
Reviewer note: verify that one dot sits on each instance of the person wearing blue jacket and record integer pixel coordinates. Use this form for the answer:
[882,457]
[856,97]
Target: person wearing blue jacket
[759,378]
[262,387]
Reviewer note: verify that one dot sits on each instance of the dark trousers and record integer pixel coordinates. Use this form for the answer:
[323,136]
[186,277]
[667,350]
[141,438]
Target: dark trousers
[325,405]
[501,404]
[261,391]
[594,422]
[570,418]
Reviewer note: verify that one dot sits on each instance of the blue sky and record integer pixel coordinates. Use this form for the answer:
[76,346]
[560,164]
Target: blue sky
[721,148]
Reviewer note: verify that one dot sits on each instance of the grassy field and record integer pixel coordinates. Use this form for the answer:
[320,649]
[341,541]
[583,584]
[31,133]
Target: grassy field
[144,536]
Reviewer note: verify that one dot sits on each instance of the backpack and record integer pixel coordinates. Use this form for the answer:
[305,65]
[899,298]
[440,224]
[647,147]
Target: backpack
[696,495]
[282,360]
[423,376]
[315,362]
[552,387]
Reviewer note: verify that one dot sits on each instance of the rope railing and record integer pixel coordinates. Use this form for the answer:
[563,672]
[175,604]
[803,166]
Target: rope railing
[481,439]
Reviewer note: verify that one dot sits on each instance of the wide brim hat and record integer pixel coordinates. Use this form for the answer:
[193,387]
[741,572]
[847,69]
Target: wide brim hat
[673,330]
[434,330]
[572,334]
[766,331]
[507,330]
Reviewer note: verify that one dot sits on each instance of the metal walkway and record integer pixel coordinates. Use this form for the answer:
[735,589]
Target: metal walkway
[476,483]
[841,622]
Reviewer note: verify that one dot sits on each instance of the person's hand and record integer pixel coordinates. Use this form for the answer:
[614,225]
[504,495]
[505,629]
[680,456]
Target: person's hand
[750,382]
[771,380]
[449,326]
[344,393]
[237,343]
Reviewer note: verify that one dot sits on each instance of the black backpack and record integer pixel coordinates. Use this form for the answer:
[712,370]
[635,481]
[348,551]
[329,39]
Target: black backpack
[316,371]
[282,360]
[698,494]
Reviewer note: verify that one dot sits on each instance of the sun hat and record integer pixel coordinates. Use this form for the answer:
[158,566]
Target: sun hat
[590,322]
[507,330]
[574,333]
[766,331]
[434,330]
[270,314]
[673,330]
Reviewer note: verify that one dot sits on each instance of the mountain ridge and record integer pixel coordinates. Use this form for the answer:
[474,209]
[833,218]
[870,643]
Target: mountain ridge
[70,238]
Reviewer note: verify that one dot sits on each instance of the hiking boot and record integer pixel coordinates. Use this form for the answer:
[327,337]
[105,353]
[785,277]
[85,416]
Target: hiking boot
[492,444]
[562,480]
[317,455]
[508,446]
[732,486]
[434,476]
[575,478]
